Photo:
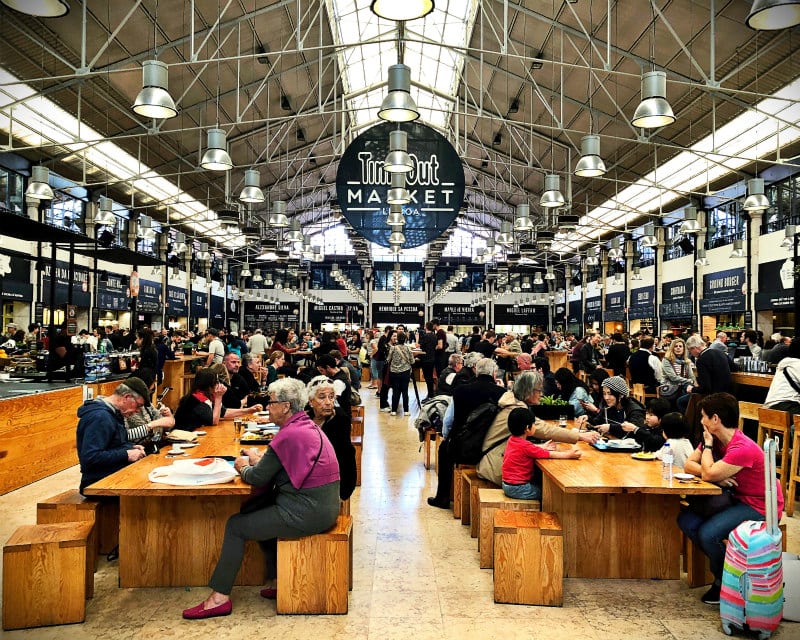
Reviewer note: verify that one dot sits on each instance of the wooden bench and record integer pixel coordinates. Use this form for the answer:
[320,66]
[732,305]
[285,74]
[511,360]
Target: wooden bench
[71,506]
[358,445]
[47,575]
[456,487]
[470,502]
[489,501]
[357,426]
[528,558]
[315,572]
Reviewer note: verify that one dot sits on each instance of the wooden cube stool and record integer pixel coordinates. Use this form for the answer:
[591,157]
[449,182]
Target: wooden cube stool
[71,506]
[474,485]
[455,488]
[315,572]
[358,445]
[489,501]
[528,558]
[468,476]
[430,437]
[46,571]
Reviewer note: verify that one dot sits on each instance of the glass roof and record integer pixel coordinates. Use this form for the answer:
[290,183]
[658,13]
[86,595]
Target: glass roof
[368,47]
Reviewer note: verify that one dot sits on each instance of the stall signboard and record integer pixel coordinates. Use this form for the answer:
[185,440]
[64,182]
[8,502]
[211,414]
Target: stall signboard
[400,314]
[775,286]
[575,312]
[149,300]
[459,314]
[176,302]
[678,299]
[642,305]
[529,315]
[337,312]
[217,309]
[593,310]
[15,276]
[80,284]
[615,307]
[435,184]
[112,294]
[270,316]
[724,292]
[198,305]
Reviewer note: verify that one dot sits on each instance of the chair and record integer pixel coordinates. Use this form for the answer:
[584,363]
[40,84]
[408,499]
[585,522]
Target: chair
[774,423]
[748,411]
[793,476]
[639,395]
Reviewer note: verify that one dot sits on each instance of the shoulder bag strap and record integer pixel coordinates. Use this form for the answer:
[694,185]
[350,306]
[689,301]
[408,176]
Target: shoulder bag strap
[791,380]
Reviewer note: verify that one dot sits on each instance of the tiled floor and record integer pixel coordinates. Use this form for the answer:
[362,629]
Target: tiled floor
[416,575]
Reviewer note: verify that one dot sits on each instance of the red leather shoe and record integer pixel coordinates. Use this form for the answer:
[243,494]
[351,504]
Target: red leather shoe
[270,593]
[198,613]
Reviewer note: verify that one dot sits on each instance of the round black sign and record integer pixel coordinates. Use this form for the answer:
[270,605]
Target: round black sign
[436,184]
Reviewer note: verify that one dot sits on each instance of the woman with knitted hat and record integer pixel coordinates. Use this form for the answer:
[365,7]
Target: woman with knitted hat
[620,414]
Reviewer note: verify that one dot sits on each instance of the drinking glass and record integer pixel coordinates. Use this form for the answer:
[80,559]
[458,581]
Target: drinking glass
[237,428]
[562,420]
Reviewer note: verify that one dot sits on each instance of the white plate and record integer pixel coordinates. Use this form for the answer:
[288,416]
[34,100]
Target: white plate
[200,433]
[186,445]
[683,476]
[623,444]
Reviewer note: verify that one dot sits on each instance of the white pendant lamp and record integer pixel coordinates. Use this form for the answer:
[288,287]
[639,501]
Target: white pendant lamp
[398,105]
[654,110]
[396,217]
[245,272]
[755,200]
[522,221]
[294,234]
[552,196]
[767,15]
[690,223]
[649,237]
[252,187]
[154,100]
[216,157]
[505,237]
[277,218]
[397,238]
[104,216]
[738,249]
[401,10]
[701,258]
[590,164]
[398,160]
[38,186]
[397,193]
[39,8]
[179,245]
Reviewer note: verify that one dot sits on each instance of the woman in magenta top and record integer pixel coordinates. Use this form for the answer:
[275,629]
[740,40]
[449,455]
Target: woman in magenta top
[729,458]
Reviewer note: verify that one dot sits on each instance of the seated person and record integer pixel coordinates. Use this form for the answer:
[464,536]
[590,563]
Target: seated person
[202,406]
[572,390]
[675,430]
[521,453]
[326,366]
[102,439]
[650,436]
[619,410]
[449,377]
[238,389]
[542,365]
[143,424]
[275,363]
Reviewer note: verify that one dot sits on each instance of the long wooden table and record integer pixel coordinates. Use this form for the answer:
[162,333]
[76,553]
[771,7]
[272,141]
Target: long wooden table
[752,379]
[171,536]
[618,514]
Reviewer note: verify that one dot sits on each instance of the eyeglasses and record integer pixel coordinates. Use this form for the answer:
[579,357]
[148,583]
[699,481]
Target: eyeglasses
[315,383]
[539,389]
[274,401]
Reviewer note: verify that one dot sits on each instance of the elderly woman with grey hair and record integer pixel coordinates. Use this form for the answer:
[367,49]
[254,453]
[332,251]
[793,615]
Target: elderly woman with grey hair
[300,470]
[527,391]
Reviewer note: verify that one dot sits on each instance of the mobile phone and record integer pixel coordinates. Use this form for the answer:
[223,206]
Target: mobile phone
[164,393]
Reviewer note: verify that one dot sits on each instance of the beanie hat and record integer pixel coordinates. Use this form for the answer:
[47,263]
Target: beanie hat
[138,386]
[618,385]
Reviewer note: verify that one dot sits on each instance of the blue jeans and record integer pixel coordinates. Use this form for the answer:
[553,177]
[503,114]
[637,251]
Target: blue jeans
[528,491]
[708,534]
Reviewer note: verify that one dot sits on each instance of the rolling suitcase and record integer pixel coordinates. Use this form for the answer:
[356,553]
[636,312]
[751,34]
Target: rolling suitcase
[752,577]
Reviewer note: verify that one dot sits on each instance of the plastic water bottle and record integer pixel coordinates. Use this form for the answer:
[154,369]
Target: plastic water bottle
[666,461]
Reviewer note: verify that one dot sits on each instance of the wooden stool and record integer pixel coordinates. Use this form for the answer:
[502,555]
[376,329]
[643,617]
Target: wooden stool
[748,411]
[344,507]
[358,445]
[429,437]
[774,423]
[71,506]
[489,501]
[528,558]
[357,411]
[794,469]
[456,487]
[357,427]
[474,485]
[315,572]
[46,575]
[466,476]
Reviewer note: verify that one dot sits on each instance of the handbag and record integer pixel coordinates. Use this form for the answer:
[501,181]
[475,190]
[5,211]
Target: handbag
[355,398]
[670,390]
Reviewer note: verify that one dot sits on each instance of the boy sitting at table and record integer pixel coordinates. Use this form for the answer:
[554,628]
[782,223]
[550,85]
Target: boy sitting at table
[650,435]
[520,454]
[675,429]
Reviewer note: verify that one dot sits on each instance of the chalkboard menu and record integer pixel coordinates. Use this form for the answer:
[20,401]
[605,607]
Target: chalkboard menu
[775,285]
[113,293]
[724,292]
[575,312]
[149,300]
[615,307]
[459,314]
[677,299]
[593,310]
[270,316]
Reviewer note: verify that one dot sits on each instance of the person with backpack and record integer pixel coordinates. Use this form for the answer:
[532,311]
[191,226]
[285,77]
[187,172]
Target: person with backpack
[466,399]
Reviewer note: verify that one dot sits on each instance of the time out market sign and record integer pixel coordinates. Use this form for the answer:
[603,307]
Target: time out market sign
[435,184]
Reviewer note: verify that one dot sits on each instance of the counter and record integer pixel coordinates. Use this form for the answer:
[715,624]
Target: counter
[178,375]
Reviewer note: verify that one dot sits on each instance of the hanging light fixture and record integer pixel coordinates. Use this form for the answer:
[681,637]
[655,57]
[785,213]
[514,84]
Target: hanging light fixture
[591,259]
[398,160]
[505,237]
[549,275]
[203,254]
[401,10]
[690,223]
[649,237]
[398,105]
[615,252]
[104,215]
[755,200]
[637,273]
[397,193]
[179,246]
[537,278]
[590,164]
[396,217]
[268,279]
[788,236]
[654,110]
[154,100]
[38,186]
[701,258]
[294,234]
[738,249]
[145,229]
[396,238]
[245,272]
[216,157]
[278,219]
[552,196]
[39,8]
[522,221]
[766,15]
[257,277]
[252,187]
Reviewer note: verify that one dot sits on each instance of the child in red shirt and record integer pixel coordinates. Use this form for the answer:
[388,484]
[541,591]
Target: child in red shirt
[520,454]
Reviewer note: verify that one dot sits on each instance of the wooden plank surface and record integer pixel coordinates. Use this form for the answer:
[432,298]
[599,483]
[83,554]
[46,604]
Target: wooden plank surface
[752,379]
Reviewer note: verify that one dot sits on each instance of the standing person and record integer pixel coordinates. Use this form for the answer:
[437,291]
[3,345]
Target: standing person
[400,360]
[282,343]
[521,455]
[301,465]
[427,342]
[148,355]
[383,349]
[102,439]
[474,338]
[452,342]
[713,370]
[257,344]
[588,359]
[440,359]
[645,366]
[374,365]
[618,354]
[214,347]
[728,458]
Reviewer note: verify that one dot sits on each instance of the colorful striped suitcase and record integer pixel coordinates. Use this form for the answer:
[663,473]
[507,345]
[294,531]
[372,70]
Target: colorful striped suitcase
[752,578]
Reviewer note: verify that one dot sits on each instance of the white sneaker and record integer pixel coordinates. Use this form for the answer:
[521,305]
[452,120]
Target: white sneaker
[386,410]
[393,413]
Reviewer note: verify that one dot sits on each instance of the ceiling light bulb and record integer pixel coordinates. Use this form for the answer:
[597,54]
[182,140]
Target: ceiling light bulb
[216,157]
[40,8]
[245,273]
[154,100]
[654,110]
[590,164]
[398,10]
[295,234]
[505,237]
[252,187]
[552,196]
[774,14]
[615,252]
[398,105]
[38,186]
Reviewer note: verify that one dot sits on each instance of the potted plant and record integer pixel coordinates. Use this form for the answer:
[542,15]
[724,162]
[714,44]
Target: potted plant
[551,408]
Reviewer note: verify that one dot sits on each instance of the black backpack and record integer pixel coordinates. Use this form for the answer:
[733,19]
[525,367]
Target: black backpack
[466,444]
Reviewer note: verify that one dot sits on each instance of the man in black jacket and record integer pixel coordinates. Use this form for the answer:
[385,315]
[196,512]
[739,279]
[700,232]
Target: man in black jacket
[713,371]
[589,360]
[466,398]
[427,342]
